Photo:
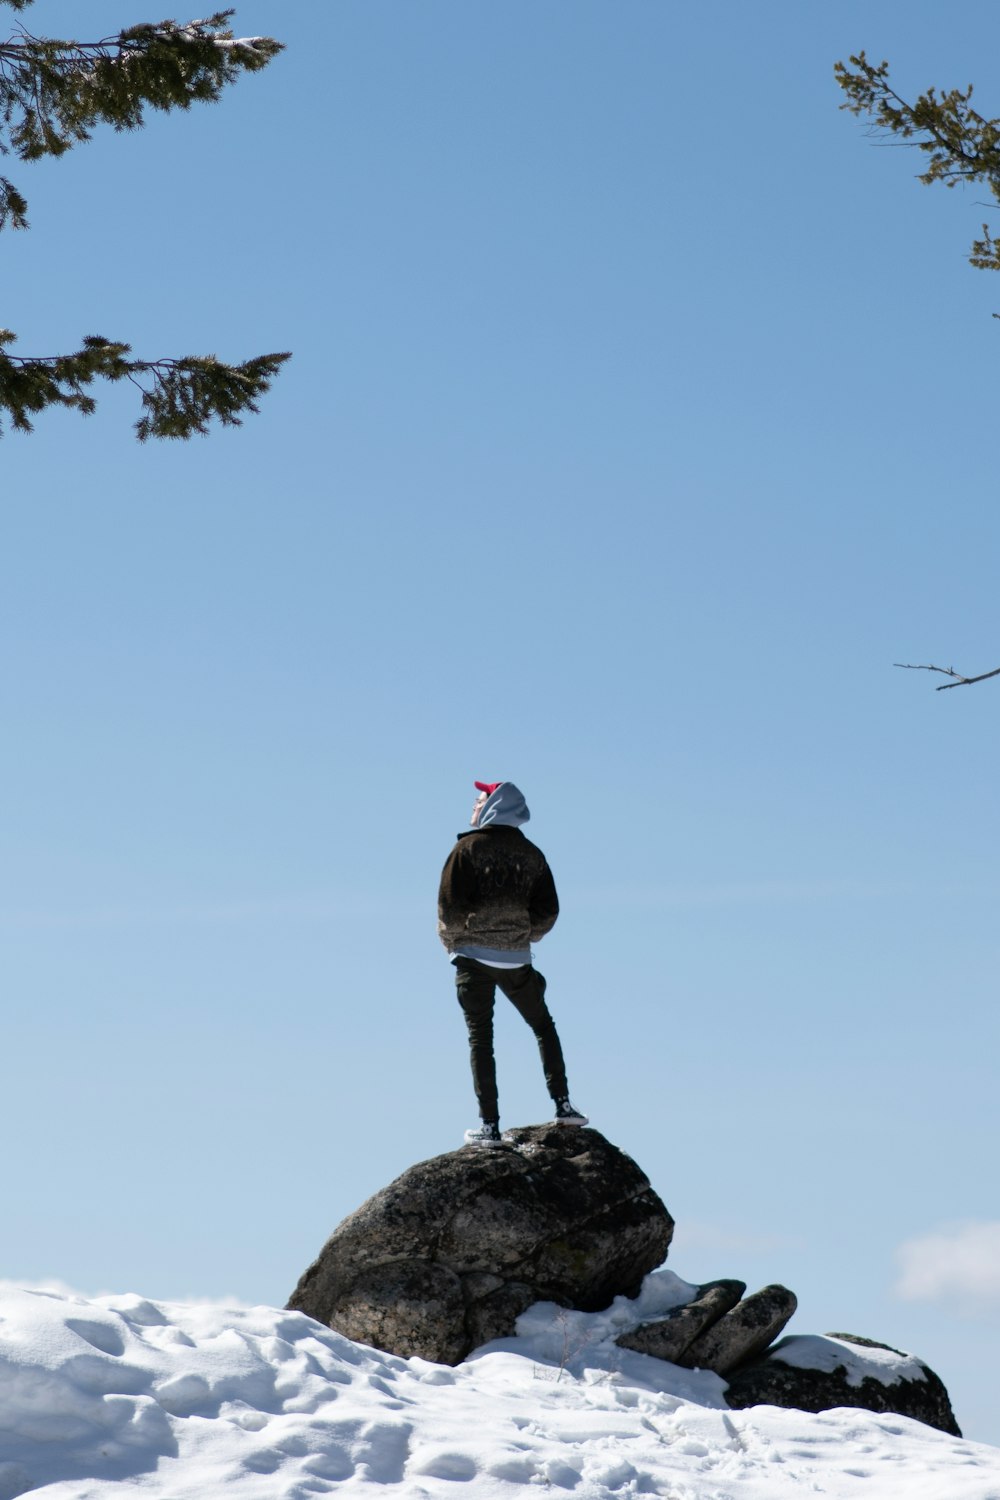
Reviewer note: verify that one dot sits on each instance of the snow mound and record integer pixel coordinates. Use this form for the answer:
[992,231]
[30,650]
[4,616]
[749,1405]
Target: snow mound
[860,1362]
[105,1397]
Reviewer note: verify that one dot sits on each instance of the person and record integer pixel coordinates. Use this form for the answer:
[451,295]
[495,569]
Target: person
[496,898]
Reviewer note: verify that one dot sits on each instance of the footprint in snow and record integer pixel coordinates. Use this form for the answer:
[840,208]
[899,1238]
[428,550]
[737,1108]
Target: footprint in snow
[183,1395]
[383,1450]
[445,1464]
[519,1470]
[333,1464]
[137,1310]
[102,1336]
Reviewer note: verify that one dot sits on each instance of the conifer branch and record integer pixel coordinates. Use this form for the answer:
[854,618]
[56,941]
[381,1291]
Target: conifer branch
[961,144]
[179,396]
[13,206]
[53,93]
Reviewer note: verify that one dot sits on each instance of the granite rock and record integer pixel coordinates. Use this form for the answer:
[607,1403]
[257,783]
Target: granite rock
[448,1255]
[667,1338]
[742,1334]
[842,1369]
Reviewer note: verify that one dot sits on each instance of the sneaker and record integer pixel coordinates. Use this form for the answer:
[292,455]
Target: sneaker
[488,1134]
[567,1115]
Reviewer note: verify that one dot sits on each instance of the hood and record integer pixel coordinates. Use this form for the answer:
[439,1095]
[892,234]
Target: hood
[505,808]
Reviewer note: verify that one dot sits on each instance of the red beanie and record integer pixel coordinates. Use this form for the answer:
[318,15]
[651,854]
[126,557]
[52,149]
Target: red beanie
[489,787]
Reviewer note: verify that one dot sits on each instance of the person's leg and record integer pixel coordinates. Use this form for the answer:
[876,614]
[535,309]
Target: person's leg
[476,990]
[525,989]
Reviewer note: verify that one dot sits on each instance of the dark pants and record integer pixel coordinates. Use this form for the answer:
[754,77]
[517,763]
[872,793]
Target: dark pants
[525,989]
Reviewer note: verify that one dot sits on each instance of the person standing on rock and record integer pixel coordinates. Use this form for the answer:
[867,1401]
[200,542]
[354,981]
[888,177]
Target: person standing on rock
[497,897]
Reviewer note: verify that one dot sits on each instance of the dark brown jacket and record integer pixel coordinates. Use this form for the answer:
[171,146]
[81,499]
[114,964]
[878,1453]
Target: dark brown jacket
[497,892]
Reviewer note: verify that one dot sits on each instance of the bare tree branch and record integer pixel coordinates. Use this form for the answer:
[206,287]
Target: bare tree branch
[960,681]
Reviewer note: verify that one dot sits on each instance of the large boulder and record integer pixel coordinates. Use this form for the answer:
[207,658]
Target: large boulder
[447,1256]
[842,1369]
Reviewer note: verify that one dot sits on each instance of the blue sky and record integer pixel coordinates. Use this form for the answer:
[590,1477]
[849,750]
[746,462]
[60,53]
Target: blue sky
[640,417]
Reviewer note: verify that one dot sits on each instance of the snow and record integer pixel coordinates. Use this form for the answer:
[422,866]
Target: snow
[810,1352]
[117,1396]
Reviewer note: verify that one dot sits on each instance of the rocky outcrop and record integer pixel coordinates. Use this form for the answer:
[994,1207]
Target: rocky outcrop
[841,1369]
[667,1338]
[716,1331]
[447,1256]
[742,1334]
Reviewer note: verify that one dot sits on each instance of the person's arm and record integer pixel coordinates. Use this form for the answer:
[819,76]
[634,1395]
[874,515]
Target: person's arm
[544,906]
[456,897]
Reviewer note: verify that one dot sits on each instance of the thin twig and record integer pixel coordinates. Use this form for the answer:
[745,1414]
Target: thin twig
[960,681]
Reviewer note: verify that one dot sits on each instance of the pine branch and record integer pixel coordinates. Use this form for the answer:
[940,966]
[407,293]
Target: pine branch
[179,396]
[13,206]
[962,145]
[960,681]
[53,93]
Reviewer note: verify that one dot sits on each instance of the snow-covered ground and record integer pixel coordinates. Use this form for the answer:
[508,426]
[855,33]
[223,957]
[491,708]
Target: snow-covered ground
[113,1396]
